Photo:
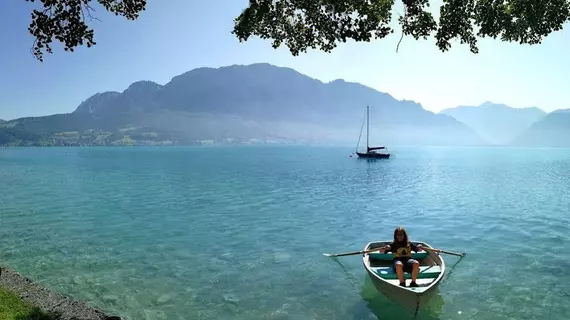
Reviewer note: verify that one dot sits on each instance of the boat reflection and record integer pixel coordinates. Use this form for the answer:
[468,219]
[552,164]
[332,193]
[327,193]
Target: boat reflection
[374,305]
[384,308]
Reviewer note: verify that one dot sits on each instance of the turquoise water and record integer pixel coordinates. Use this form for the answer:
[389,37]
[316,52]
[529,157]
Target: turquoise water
[238,232]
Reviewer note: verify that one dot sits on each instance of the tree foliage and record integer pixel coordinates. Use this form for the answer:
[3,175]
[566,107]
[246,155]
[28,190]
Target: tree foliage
[66,21]
[321,24]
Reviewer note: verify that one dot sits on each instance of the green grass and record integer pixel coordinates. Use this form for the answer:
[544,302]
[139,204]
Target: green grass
[14,308]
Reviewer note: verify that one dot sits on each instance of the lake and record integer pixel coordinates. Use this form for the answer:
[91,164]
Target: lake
[239,232]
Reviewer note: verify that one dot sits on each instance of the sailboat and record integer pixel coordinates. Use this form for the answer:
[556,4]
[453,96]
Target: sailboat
[370,151]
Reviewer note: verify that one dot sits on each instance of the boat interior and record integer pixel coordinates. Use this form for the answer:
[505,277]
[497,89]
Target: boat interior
[431,265]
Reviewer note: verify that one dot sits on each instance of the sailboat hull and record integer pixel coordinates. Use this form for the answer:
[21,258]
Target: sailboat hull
[373,155]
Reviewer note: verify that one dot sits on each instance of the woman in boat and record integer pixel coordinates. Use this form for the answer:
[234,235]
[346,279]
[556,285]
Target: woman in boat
[402,249]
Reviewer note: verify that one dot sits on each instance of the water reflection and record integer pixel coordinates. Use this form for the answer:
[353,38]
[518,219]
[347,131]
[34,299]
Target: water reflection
[374,305]
[385,309]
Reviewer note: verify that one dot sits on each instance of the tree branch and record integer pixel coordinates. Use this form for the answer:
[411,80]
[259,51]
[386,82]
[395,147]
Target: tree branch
[67,22]
[402,36]
[89,9]
[398,46]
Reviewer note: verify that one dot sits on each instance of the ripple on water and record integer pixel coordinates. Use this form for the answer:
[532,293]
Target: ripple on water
[183,233]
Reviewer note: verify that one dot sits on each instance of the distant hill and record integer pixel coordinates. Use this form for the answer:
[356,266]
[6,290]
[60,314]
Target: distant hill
[551,131]
[240,103]
[497,123]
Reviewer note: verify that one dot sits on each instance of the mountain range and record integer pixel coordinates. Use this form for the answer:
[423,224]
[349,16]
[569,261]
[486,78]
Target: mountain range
[500,124]
[262,102]
[497,123]
[553,130]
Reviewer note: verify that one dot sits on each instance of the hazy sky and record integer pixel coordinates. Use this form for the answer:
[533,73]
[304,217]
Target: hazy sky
[175,36]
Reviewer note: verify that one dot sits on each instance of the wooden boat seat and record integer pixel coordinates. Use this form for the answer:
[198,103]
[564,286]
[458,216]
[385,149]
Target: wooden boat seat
[426,272]
[388,256]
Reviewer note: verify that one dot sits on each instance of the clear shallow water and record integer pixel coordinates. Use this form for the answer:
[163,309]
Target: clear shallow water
[238,232]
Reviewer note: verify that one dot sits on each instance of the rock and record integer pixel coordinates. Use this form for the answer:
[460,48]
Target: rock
[163,298]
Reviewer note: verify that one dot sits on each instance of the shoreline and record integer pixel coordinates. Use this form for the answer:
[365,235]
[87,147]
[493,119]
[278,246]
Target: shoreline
[48,301]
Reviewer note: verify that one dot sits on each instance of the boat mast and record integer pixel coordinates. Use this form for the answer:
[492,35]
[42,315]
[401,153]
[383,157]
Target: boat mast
[367,125]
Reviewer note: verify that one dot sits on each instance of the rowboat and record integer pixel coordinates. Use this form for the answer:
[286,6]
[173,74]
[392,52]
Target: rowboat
[379,269]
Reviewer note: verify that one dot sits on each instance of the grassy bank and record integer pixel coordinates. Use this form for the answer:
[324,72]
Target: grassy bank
[14,308]
[23,299]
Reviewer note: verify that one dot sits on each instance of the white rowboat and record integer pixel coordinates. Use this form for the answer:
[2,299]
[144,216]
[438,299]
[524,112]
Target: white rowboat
[379,269]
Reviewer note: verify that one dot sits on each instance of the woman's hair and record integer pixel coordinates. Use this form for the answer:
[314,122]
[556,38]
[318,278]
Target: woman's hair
[400,229]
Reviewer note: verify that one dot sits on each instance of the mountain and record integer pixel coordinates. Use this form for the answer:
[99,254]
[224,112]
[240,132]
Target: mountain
[240,103]
[551,131]
[497,123]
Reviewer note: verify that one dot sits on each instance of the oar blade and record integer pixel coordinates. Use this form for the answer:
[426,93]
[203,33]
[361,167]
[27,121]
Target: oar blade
[344,254]
[454,253]
[446,252]
[336,254]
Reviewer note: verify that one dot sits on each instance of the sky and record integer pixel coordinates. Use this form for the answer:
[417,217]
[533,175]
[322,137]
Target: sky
[174,36]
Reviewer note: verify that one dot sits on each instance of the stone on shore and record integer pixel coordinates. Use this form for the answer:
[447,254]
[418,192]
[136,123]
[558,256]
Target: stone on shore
[49,301]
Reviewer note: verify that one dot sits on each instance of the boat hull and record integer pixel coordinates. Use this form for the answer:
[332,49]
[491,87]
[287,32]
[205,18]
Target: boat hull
[412,299]
[373,155]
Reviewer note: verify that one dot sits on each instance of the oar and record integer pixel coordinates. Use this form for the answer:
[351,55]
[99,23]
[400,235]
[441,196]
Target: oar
[350,253]
[444,251]
[378,249]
